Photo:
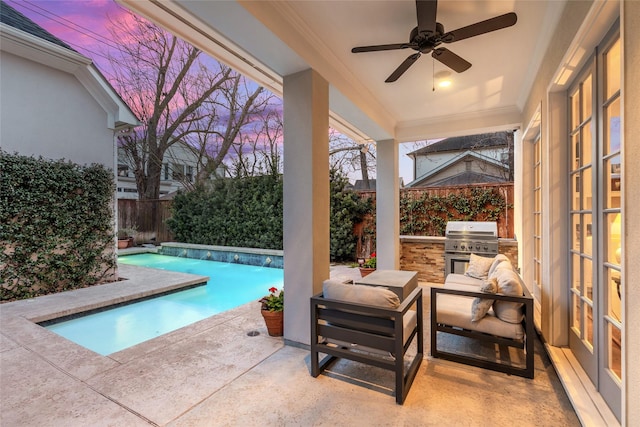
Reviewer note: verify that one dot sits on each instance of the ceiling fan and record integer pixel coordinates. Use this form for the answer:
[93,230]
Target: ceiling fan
[429,34]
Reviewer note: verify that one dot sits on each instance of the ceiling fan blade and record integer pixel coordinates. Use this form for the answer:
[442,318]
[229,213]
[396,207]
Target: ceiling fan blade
[493,24]
[426,12]
[451,60]
[378,47]
[403,67]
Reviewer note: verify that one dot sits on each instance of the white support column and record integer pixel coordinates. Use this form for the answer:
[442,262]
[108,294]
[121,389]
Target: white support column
[555,245]
[387,205]
[306,197]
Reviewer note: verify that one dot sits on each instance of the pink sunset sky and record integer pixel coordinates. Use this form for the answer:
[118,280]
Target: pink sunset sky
[83,25]
[80,23]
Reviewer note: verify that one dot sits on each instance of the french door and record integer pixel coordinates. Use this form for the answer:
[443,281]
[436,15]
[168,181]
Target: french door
[595,250]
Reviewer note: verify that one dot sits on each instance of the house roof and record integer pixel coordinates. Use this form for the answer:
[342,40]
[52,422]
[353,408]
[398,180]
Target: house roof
[13,18]
[360,185]
[467,177]
[460,143]
[458,179]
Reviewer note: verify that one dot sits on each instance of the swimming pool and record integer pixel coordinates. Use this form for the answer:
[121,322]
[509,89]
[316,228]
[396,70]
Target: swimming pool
[229,286]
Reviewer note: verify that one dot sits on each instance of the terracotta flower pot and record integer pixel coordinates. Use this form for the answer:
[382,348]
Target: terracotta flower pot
[123,243]
[364,271]
[274,322]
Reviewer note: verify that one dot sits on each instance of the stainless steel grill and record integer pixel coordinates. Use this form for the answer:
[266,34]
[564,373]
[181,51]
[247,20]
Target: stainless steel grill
[462,238]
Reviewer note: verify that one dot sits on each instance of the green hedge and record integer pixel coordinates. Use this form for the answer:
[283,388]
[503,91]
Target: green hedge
[56,226]
[247,212]
[242,212]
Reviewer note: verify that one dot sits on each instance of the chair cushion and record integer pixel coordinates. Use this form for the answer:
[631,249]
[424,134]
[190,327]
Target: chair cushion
[478,266]
[369,295]
[454,310]
[509,283]
[467,282]
[361,294]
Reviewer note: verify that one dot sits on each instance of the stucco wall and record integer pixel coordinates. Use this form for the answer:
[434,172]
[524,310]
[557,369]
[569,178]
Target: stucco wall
[47,112]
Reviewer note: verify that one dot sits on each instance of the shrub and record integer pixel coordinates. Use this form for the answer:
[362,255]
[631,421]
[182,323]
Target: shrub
[347,209]
[247,212]
[57,226]
[243,212]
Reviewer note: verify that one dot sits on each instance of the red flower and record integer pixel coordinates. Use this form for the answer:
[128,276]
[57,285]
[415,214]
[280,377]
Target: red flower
[273,290]
[373,255]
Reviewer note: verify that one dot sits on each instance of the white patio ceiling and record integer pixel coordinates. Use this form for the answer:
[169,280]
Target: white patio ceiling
[267,40]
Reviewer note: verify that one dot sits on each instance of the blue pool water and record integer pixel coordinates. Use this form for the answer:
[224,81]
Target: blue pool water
[229,286]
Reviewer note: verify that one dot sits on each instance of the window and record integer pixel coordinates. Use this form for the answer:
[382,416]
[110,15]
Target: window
[177,172]
[123,170]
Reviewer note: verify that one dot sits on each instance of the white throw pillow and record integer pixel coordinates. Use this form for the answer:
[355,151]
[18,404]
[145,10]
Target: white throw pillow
[509,283]
[500,261]
[480,306]
[478,267]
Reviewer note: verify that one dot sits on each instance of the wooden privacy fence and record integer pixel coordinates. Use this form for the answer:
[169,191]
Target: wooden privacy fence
[147,217]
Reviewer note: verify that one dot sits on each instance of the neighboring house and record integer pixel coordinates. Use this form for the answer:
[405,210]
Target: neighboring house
[54,102]
[360,185]
[464,160]
[179,169]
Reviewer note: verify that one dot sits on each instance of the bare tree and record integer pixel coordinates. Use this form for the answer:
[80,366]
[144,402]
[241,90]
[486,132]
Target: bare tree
[348,156]
[179,94]
[261,151]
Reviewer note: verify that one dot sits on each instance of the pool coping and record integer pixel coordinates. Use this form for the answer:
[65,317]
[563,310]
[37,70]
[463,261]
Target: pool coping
[20,319]
[134,283]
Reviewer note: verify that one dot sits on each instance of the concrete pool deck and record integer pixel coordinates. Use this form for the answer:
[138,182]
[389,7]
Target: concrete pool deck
[213,373]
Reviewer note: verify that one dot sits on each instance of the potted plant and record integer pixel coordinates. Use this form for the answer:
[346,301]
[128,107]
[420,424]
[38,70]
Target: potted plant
[369,266]
[125,237]
[273,311]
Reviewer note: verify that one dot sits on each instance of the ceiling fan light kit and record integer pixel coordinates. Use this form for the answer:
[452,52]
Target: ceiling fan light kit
[429,35]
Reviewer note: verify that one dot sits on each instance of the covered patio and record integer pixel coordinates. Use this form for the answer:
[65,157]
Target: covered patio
[214,372]
[529,77]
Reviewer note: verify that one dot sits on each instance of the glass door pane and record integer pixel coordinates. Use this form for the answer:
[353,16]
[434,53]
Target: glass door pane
[537,230]
[611,260]
[583,203]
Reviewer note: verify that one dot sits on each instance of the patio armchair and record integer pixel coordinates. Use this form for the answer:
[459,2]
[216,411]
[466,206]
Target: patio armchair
[368,324]
[492,306]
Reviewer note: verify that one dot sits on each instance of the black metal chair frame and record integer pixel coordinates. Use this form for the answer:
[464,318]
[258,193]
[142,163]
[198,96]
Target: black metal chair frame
[527,343]
[370,326]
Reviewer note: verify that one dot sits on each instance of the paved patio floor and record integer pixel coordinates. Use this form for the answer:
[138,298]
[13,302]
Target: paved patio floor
[213,373]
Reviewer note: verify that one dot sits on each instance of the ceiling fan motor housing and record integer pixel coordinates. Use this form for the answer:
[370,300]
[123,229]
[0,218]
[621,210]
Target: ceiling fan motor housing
[426,41]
